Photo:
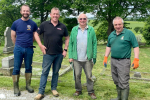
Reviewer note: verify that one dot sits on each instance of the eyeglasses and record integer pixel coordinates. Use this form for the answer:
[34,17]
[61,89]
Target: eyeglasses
[82,18]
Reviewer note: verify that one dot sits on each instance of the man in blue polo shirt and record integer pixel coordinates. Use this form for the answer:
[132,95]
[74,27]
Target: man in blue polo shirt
[22,32]
[119,44]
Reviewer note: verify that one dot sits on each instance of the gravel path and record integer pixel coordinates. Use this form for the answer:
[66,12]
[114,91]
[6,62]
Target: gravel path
[8,95]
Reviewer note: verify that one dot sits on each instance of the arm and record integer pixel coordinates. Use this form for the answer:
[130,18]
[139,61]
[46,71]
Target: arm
[66,46]
[13,36]
[42,47]
[136,52]
[107,52]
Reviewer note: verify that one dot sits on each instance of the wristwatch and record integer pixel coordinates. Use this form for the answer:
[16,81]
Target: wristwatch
[65,50]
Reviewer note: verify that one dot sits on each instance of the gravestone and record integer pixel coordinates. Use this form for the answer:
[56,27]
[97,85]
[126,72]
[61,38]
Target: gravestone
[7,65]
[9,46]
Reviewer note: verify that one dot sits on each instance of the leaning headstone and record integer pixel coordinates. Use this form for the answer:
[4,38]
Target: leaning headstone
[9,46]
[7,65]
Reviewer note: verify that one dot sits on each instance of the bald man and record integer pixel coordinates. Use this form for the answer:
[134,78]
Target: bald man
[82,53]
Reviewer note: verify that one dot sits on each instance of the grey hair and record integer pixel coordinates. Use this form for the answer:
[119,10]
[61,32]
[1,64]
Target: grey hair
[118,18]
[79,17]
[55,8]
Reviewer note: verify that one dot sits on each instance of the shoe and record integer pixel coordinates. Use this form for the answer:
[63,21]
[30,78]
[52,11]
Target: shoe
[77,93]
[118,93]
[93,96]
[39,97]
[55,93]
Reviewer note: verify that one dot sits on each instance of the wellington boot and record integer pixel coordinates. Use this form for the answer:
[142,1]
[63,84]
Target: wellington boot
[118,93]
[28,82]
[124,94]
[16,85]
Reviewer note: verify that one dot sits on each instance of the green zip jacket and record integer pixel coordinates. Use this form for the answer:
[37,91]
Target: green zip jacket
[91,43]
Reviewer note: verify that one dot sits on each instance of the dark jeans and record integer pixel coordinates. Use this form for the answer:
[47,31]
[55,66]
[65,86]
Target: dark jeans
[120,69]
[48,60]
[87,66]
[21,53]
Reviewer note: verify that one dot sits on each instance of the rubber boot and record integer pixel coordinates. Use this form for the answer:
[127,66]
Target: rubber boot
[118,93]
[28,82]
[124,94]
[16,85]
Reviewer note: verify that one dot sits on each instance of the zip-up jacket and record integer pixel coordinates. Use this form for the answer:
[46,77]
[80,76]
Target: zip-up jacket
[91,43]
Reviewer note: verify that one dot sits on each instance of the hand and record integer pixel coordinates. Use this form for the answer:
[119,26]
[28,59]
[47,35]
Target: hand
[94,60]
[43,49]
[135,63]
[105,61]
[64,53]
[70,61]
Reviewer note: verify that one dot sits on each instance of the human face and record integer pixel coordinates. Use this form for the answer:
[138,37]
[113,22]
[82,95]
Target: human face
[25,12]
[118,25]
[54,15]
[82,20]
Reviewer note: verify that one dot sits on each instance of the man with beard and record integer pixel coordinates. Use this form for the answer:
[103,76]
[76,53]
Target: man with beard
[22,32]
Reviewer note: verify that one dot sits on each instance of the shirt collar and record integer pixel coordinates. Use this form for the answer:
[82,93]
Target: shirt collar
[84,28]
[51,23]
[123,31]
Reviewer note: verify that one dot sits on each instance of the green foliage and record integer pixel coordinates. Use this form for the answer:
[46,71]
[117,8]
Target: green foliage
[141,30]
[10,12]
[146,31]
[137,29]
[101,32]
[70,23]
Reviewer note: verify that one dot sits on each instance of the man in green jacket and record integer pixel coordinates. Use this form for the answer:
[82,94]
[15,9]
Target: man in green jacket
[82,52]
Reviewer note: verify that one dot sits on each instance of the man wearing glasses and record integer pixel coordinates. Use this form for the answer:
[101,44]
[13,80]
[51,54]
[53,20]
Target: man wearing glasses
[82,52]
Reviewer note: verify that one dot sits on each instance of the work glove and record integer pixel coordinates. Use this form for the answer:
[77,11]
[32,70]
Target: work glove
[105,61]
[94,60]
[135,63]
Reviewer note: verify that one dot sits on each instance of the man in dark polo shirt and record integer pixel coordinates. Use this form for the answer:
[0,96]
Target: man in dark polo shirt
[119,44]
[53,31]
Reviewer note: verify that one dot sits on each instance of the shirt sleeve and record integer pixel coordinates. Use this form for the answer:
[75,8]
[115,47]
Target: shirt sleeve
[65,31]
[133,40]
[13,27]
[40,29]
[35,27]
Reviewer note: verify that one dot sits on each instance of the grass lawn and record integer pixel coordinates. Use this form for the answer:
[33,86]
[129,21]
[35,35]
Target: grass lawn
[104,87]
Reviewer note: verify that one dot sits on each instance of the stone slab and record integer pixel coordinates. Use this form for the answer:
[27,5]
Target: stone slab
[8,62]
[6,71]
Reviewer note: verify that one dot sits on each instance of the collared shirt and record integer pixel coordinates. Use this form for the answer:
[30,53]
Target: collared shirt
[82,44]
[121,44]
[53,36]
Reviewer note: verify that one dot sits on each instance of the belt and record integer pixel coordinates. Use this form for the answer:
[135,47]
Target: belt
[120,58]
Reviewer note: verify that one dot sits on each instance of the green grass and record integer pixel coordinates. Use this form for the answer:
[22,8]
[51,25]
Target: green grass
[104,88]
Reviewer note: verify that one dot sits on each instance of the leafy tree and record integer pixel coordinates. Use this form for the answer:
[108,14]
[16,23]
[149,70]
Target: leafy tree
[9,13]
[109,9]
[146,31]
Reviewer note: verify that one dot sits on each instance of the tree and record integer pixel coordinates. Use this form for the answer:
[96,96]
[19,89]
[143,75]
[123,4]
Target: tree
[9,13]
[146,31]
[109,9]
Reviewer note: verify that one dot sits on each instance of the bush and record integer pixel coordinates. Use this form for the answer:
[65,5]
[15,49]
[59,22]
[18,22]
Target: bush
[146,31]
[136,29]
[101,32]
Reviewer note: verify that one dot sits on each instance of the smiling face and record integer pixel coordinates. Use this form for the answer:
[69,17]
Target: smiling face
[82,19]
[25,12]
[54,15]
[118,25]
